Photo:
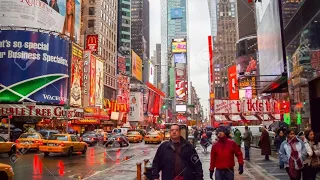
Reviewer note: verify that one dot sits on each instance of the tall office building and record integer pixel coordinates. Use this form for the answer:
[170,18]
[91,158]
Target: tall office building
[173,26]
[224,44]
[124,31]
[100,17]
[158,62]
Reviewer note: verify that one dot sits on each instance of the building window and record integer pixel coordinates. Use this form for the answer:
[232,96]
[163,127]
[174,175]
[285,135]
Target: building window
[91,10]
[91,24]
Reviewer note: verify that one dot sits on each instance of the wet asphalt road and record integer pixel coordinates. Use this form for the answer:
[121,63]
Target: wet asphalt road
[33,165]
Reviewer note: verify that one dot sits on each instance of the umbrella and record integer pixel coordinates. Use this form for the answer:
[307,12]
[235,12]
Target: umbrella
[17,130]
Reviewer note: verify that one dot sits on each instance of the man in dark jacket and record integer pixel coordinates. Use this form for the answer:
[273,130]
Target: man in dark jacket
[177,159]
[222,156]
[247,136]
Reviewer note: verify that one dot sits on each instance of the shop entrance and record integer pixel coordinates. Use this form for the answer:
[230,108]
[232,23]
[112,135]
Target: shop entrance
[314,94]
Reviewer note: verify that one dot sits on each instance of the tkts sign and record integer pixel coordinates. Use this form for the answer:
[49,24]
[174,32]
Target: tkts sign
[92,42]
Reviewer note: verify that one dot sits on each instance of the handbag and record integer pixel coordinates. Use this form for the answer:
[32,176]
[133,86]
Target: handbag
[315,162]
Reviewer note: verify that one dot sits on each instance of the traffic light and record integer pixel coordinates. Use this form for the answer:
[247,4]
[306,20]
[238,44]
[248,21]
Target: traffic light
[164,107]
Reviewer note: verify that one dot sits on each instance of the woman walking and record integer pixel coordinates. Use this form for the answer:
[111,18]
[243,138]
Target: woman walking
[292,154]
[312,166]
[279,139]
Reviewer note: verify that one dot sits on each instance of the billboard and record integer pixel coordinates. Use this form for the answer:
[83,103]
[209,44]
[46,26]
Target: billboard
[233,82]
[76,76]
[249,82]
[180,58]
[123,90]
[92,42]
[179,47]
[246,65]
[181,108]
[136,106]
[181,90]
[99,82]
[121,63]
[63,16]
[151,73]
[89,78]
[34,67]
[181,71]
[93,70]
[176,13]
[136,66]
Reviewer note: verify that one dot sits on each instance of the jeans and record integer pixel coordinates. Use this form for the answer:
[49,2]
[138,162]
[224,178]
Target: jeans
[247,152]
[224,174]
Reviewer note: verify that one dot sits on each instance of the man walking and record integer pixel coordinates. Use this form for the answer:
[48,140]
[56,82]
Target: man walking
[237,137]
[177,159]
[222,156]
[247,137]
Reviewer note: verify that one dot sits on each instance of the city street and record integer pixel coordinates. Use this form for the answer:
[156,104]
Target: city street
[35,166]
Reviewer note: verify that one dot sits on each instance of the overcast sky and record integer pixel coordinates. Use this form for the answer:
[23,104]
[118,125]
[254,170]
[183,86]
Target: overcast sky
[199,30]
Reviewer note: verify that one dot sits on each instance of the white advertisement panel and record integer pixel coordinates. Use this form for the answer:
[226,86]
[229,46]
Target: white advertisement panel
[227,106]
[136,107]
[62,16]
[99,83]
[151,73]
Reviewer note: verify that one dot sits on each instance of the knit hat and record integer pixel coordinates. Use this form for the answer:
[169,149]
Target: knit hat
[223,129]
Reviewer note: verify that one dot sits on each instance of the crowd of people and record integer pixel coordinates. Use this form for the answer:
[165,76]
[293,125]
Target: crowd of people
[299,154]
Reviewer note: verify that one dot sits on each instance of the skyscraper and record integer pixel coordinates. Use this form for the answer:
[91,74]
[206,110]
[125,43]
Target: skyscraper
[100,17]
[224,42]
[124,31]
[158,62]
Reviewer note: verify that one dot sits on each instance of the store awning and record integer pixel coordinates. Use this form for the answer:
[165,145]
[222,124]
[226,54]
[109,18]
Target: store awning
[251,118]
[235,118]
[220,118]
[88,121]
[279,85]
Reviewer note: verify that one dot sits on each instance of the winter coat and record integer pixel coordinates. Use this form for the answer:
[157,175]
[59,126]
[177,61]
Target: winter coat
[237,137]
[222,154]
[285,152]
[247,137]
[278,141]
[315,149]
[265,143]
[164,161]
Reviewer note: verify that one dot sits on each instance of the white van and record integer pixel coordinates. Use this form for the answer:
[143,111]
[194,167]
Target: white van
[123,131]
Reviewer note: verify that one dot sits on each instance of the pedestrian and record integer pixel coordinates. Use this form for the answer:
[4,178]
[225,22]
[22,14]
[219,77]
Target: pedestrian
[292,153]
[264,144]
[176,159]
[312,163]
[279,139]
[237,137]
[196,135]
[205,142]
[247,137]
[222,156]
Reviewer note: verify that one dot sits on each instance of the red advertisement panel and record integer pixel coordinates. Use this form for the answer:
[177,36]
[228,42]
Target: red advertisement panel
[233,83]
[92,42]
[76,76]
[121,65]
[92,80]
[181,90]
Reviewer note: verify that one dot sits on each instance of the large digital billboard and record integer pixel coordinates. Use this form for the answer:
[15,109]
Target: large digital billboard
[136,66]
[34,67]
[179,47]
[99,83]
[246,65]
[181,90]
[121,63]
[233,83]
[180,58]
[76,76]
[62,16]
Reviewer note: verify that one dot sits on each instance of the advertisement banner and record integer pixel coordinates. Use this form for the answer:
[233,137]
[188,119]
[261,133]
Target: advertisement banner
[227,106]
[176,13]
[136,66]
[250,84]
[34,67]
[92,42]
[181,71]
[76,76]
[136,107]
[151,73]
[181,90]
[99,82]
[93,70]
[180,58]
[123,90]
[179,47]
[246,65]
[233,83]
[62,16]
[121,65]
[151,101]
[86,77]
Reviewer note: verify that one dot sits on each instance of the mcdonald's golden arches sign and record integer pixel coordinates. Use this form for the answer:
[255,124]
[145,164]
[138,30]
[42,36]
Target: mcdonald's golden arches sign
[92,42]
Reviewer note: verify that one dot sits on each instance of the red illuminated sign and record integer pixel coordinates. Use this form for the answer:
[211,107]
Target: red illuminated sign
[233,83]
[92,42]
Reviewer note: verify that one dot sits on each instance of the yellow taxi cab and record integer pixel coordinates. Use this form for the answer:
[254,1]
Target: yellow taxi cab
[134,136]
[63,143]
[29,141]
[6,172]
[153,137]
[7,146]
[161,134]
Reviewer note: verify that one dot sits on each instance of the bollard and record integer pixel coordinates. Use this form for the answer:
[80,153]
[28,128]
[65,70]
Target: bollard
[145,165]
[138,171]
[148,172]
